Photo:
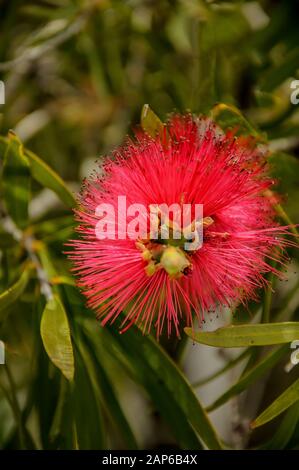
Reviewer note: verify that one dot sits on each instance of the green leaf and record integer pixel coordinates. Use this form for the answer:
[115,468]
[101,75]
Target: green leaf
[285,169]
[239,336]
[16,181]
[55,333]
[229,116]
[101,382]
[278,74]
[285,430]
[282,403]
[12,294]
[250,377]
[162,399]
[229,365]
[59,419]
[150,122]
[63,280]
[47,177]
[224,26]
[6,239]
[169,389]
[87,409]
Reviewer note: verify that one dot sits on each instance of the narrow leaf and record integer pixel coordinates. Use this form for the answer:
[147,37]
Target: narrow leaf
[229,365]
[250,377]
[16,181]
[110,401]
[285,430]
[282,403]
[12,294]
[164,400]
[87,409]
[55,333]
[238,336]
[153,364]
[45,175]
[48,178]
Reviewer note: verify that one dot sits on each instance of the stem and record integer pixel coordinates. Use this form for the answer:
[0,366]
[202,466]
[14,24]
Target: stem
[268,300]
[29,243]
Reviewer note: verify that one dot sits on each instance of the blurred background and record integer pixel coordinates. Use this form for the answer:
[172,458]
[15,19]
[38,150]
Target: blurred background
[76,75]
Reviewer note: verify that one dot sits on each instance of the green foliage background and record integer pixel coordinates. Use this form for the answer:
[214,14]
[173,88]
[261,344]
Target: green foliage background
[77,74]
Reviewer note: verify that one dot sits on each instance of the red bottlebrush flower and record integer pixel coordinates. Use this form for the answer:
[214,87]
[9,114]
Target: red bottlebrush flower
[158,282]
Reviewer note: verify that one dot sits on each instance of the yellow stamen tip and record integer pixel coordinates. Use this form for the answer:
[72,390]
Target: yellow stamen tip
[174,261]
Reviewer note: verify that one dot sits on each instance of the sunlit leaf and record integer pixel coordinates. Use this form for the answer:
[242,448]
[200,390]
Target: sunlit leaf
[150,122]
[63,280]
[55,333]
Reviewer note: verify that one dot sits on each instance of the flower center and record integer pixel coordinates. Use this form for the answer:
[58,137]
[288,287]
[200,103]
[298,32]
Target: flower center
[169,254]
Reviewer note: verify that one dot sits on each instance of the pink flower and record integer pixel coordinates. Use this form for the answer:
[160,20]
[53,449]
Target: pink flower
[158,283]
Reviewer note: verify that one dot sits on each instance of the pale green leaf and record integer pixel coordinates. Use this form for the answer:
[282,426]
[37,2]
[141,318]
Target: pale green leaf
[238,336]
[55,333]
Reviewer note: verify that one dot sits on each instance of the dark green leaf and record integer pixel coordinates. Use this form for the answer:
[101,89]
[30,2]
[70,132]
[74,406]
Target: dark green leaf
[87,407]
[165,382]
[101,382]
